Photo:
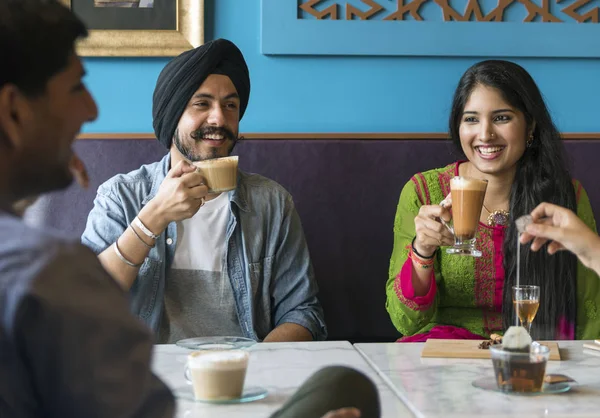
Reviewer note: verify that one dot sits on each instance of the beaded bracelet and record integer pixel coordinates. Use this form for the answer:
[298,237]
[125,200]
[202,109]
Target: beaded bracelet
[424,264]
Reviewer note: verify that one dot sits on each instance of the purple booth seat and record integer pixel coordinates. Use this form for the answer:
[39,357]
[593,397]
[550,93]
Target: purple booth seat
[346,192]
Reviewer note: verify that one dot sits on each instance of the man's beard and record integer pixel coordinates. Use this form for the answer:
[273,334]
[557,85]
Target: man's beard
[213,152]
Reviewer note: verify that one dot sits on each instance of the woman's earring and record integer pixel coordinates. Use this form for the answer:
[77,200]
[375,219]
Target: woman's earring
[530,141]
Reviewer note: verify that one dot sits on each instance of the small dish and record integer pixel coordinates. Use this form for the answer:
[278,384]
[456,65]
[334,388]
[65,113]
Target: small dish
[489,383]
[216,343]
[249,394]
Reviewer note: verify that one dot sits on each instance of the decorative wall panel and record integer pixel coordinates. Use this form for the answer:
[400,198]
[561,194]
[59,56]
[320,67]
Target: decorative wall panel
[513,28]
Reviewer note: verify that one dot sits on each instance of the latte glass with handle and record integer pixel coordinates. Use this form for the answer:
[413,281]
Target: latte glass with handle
[467,202]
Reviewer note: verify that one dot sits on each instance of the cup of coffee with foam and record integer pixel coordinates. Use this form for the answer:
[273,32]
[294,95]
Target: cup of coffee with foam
[217,374]
[467,202]
[220,173]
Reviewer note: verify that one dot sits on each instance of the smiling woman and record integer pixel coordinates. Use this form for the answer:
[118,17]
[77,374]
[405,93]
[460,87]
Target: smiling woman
[499,121]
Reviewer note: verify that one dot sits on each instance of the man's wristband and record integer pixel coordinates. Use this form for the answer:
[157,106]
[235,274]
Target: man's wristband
[143,228]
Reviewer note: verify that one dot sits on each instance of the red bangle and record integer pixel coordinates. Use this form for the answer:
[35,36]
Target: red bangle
[424,264]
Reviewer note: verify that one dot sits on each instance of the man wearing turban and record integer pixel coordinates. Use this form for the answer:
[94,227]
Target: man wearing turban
[200,264]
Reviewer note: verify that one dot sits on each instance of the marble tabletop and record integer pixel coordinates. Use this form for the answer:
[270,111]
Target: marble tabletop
[433,387]
[278,367]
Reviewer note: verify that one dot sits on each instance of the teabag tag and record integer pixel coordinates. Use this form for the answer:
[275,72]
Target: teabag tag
[522,223]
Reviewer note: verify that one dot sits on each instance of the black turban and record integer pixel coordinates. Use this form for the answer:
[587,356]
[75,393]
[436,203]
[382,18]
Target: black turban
[184,74]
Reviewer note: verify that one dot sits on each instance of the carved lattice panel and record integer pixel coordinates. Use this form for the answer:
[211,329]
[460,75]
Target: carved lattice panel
[459,28]
[545,11]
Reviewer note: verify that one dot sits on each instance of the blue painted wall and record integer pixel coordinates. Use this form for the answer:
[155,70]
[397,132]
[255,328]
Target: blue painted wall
[335,94]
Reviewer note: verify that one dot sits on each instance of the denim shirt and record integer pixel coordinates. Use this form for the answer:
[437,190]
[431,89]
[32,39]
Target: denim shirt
[268,262]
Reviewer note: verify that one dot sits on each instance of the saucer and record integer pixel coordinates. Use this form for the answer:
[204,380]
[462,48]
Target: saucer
[216,343]
[489,383]
[250,394]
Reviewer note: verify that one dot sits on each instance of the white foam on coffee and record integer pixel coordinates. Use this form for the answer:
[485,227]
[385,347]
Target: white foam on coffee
[220,173]
[218,161]
[469,184]
[220,360]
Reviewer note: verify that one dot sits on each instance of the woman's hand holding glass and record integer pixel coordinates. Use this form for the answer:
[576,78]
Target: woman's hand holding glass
[431,233]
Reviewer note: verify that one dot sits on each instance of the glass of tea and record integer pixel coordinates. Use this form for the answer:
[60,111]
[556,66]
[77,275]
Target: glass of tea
[467,201]
[522,372]
[526,300]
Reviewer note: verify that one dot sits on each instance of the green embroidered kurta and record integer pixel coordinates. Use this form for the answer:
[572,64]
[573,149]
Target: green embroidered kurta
[469,290]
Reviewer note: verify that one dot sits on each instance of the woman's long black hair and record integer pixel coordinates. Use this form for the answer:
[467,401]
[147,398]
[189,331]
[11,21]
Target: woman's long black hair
[542,176]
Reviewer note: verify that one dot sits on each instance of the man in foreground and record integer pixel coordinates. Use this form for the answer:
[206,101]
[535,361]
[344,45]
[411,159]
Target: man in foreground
[68,344]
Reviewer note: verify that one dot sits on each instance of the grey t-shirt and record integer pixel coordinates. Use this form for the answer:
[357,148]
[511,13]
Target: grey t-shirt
[198,303]
[199,299]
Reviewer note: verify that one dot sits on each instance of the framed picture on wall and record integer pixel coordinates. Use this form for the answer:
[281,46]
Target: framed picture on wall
[139,28]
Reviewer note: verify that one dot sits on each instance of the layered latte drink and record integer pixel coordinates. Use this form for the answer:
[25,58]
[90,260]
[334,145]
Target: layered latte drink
[467,202]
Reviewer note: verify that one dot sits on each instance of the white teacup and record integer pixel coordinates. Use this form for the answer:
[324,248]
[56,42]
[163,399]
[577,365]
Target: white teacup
[217,374]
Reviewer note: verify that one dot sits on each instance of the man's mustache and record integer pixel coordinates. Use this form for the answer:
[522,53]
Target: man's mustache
[202,133]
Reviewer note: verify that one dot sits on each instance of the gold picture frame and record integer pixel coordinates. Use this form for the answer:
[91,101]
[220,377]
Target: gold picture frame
[148,43]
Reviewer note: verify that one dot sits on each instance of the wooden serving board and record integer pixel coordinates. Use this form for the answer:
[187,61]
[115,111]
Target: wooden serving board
[470,349]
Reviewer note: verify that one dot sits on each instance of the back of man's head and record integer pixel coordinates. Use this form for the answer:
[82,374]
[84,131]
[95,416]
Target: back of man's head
[36,39]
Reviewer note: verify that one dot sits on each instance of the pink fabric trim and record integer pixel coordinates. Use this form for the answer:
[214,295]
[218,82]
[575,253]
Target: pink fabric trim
[418,186]
[408,289]
[485,271]
[427,197]
[498,238]
[458,163]
[489,277]
[445,185]
[565,330]
[492,322]
[442,332]
[406,292]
